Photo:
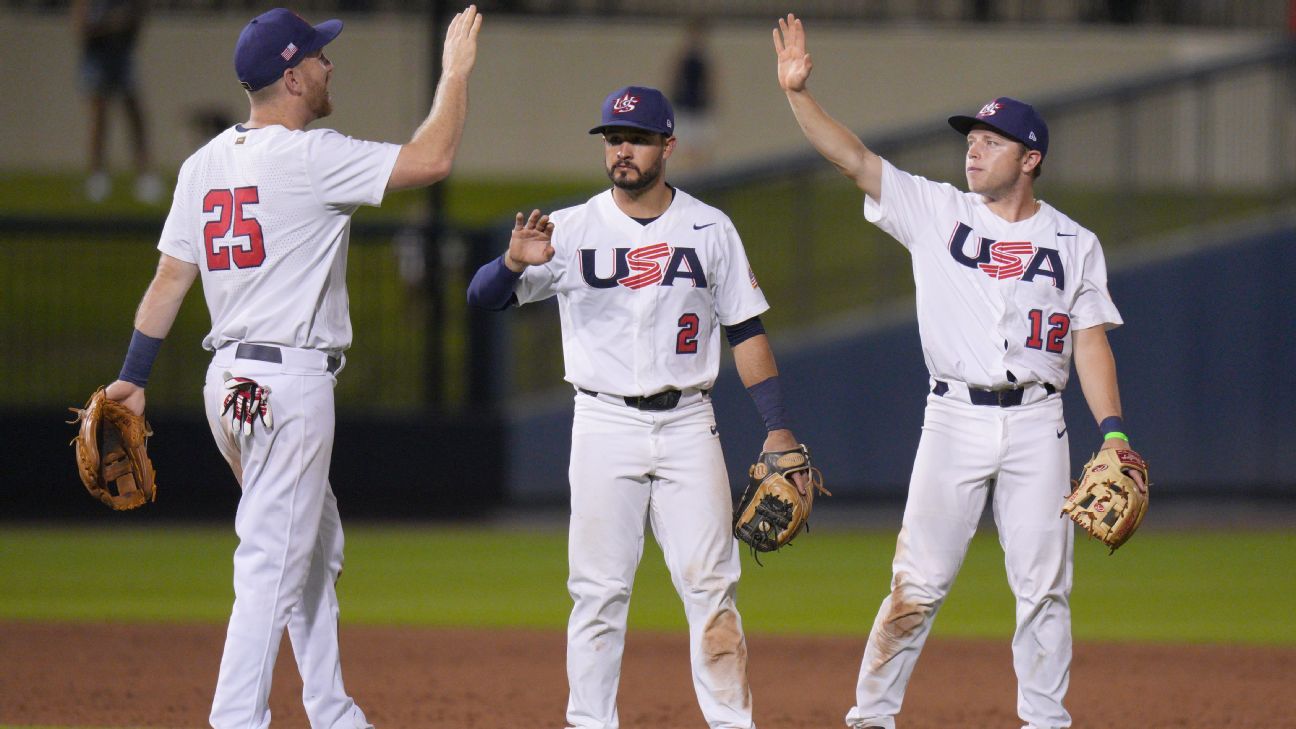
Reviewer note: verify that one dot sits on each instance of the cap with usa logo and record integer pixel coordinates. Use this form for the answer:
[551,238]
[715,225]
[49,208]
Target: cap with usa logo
[1010,117]
[276,41]
[637,107]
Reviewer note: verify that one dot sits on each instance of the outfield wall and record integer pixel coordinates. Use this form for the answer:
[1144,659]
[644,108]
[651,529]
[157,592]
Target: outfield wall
[1205,362]
[539,82]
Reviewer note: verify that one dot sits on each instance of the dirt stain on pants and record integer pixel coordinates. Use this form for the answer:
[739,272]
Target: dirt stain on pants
[724,650]
[904,616]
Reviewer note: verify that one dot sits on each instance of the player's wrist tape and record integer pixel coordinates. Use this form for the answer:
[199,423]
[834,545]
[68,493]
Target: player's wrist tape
[1113,427]
[768,396]
[140,354]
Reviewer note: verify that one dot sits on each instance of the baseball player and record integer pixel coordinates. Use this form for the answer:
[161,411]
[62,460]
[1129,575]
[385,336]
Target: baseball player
[1008,291]
[646,277]
[262,213]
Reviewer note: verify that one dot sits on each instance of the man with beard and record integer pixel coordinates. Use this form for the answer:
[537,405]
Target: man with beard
[263,214]
[646,277]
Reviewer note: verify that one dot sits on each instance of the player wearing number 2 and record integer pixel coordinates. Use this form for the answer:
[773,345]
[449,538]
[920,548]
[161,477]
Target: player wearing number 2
[263,214]
[646,277]
[1008,291]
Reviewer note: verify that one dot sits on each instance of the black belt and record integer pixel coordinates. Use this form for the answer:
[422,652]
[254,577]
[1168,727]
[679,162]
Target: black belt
[664,400]
[995,398]
[267,353]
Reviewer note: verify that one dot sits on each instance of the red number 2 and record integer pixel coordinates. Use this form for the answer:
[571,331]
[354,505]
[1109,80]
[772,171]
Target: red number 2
[686,341]
[230,203]
[1059,325]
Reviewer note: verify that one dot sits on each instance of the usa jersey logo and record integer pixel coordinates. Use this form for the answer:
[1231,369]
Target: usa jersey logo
[1007,259]
[637,268]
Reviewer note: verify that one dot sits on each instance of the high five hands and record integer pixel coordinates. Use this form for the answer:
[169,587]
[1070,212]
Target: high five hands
[460,50]
[531,243]
[794,64]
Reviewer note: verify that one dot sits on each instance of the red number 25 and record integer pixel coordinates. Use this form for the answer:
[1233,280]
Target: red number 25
[232,219]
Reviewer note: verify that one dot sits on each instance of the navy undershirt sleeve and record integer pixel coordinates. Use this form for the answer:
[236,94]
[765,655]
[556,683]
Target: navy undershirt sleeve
[492,286]
[744,330]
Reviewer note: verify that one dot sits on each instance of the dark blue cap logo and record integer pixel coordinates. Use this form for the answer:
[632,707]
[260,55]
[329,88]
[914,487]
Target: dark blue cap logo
[637,107]
[1010,117]
[276,41]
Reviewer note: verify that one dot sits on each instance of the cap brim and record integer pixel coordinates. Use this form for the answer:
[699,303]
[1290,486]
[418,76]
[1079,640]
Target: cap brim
[628,125]
[964,124]
[324,34]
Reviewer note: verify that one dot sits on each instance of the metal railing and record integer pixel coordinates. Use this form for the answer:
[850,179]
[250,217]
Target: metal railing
[1148,155]
[1145,156]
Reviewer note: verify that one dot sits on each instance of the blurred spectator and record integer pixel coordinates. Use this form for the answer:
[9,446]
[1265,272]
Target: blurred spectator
[107,31]
[692,87]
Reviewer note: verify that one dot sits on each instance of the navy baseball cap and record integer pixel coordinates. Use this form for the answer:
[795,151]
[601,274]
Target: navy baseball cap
[275,41]
[638,107]
[1009,117]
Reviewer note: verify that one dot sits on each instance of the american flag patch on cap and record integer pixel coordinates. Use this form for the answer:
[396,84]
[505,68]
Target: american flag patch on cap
[289,52]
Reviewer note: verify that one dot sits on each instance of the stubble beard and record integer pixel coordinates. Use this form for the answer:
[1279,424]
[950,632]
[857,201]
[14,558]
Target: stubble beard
[647,178]
[321,104]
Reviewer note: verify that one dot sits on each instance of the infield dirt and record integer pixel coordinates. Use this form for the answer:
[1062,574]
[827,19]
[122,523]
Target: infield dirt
[82,675]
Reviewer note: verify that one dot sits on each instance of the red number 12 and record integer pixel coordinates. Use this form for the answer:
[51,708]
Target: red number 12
[1059,325]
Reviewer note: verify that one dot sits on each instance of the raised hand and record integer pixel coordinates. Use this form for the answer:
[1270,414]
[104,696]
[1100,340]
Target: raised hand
[794,64]
[460,51]
[531,243]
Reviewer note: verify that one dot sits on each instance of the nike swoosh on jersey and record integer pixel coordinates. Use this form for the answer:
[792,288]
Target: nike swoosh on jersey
[1061,433]
[700,227]
[1067,235]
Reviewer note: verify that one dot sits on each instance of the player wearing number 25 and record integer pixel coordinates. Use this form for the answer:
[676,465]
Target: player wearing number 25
[263,214]
[646,277]
[1008,291]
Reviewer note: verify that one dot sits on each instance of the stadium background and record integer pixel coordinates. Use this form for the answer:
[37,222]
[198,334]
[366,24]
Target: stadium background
[1173,139]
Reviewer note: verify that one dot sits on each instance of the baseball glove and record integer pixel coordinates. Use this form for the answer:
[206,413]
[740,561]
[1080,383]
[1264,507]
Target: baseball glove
[112,453]
[772,510]
[1106,502]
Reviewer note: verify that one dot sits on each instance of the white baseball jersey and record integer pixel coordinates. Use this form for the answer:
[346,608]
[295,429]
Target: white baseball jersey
[266,216]
[642,305]
[993,296]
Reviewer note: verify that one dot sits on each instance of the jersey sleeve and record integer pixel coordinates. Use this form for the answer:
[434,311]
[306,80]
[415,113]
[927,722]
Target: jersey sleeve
[906,204]
[347,172]
[738,296]
[1093,304]
[180,231]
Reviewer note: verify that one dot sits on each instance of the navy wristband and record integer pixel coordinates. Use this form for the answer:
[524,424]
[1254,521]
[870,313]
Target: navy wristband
[139,358]
[1112,424]
[768,396]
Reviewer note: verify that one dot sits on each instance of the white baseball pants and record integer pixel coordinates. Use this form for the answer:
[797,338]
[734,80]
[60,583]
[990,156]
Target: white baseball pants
[1023,450]
[629,468]
[290,544]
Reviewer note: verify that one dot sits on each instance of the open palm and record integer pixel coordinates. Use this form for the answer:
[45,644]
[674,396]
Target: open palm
[794,62]
[531,243]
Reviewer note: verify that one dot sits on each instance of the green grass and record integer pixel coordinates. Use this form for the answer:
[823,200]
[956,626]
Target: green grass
[1165,586]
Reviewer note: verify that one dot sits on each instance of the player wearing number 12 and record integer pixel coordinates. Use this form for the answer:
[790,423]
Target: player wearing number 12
[646,277]
[263,213]
[1008,291]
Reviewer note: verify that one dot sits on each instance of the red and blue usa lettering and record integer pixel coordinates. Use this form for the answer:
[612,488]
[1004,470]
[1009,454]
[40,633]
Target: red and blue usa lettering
[1007,259]
[637,268]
